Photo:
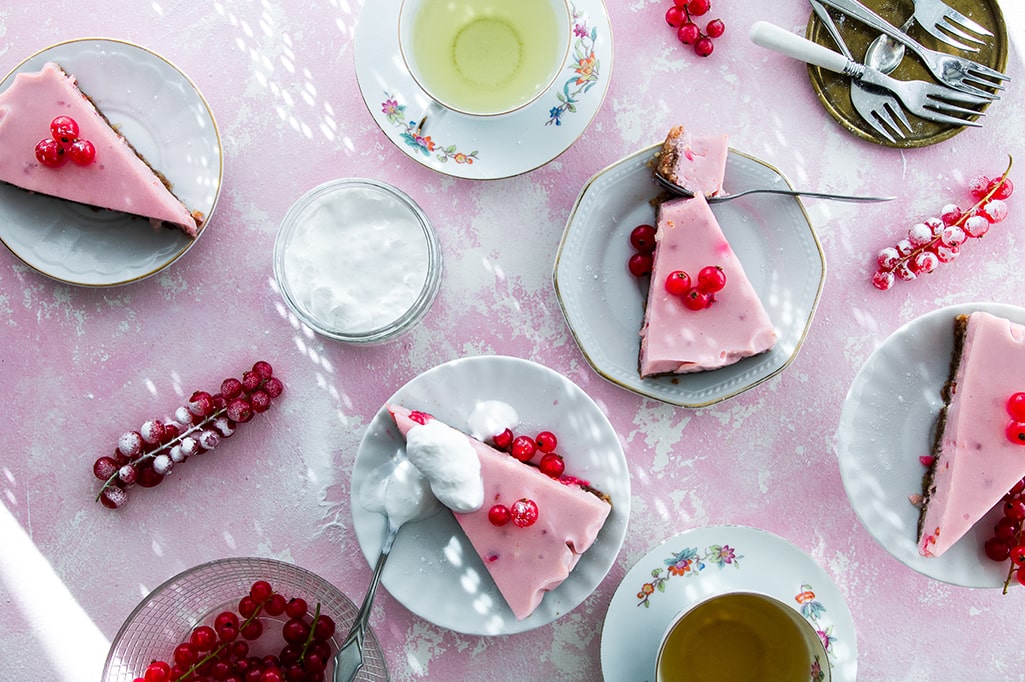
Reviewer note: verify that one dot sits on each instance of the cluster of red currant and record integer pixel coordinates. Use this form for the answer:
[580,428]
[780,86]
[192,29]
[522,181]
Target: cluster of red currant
[524,448]
[681,17]
[522,513]
[939,240]
[64,144]
[221,651]
[148,455]
[642,239]
[699,295]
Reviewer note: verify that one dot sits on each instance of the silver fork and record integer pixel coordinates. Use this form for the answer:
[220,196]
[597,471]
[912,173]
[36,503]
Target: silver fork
[876,106]
[926,100]
[942,20]
[959,73]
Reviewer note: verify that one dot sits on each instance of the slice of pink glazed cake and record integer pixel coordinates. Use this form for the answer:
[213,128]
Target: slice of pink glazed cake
[54,141]
[702,312]
[979,453]
[697,164]
[525,560]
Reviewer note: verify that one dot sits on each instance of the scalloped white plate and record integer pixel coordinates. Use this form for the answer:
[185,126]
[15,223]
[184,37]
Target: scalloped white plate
[433,569]
[604,304]
[483,148]
[706,562]
[162,113]
[887,423]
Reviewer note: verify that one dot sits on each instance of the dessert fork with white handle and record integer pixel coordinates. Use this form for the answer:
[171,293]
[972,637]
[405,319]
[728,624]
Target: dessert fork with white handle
[930,101]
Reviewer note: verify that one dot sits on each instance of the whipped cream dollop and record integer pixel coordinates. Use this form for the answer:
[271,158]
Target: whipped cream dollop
[399,491]
[490,418]
[448,461]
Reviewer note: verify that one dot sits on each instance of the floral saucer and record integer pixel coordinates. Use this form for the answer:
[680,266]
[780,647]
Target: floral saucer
[705,562]
[475,147]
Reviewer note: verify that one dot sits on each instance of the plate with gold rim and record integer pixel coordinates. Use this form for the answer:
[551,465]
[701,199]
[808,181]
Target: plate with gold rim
[482,148]
[706,562]
[604,304]
[175,131]
[833,90]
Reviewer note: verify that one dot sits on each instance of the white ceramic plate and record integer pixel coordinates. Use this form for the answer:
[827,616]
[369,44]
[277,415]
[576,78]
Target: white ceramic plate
[433,570]
[604,304]
[887,423]
[710,561]
[162,113]
[477,147]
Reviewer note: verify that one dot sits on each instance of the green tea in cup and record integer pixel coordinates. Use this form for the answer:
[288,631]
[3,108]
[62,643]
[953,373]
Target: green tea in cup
[741,637]
[484,57]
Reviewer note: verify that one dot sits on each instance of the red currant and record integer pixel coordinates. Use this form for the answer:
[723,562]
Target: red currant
[296,608]
[523,448]
[203,638]
[1017,555]
[64,130]
[552,465]
[688,33]
[275,605]
[642,237]
[252,630]
[261,591]
[1015,509]
[323,628]
[524,512]
[546,441]
[697,300]
[675,16]
[295,631]
[1006,529]
[503,441]
[82,152]
[704,47]
[185,655]
[263,368]
[1016,406]
[104,468]
[715,28]
[997,550]
[979,186]
[1001,189]
[678,283]
[1016,434]
[640,264]
[157,671]
[711,279]
[499,515]
[882,280]
[50,154]
[698,7]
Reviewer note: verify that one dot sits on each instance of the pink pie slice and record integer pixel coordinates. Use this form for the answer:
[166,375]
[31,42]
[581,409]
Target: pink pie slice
[975,463]
[677,340]
[118,179]
[697,164]
[526,562]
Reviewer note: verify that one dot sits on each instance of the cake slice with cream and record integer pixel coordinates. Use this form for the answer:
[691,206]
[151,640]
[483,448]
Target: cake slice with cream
[975,459]
[114,177]
[525,561]
[676,339]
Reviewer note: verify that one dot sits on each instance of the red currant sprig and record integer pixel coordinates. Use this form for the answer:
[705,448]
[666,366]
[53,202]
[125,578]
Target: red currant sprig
[939,240]
[146,456]
[64,144]
[681,17]
[1007,542]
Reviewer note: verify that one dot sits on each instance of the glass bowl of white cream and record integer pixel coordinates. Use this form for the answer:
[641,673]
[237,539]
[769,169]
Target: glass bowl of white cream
[357,260]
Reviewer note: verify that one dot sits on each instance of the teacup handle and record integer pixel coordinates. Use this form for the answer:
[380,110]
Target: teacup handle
[433,113]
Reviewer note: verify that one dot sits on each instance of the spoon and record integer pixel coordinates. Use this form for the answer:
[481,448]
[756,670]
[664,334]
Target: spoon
[884,53]
[349,659]
[674,188]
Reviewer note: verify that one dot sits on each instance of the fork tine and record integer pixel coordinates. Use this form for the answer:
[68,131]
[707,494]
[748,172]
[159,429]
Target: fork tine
[872,120]
[939,117]
[952,26]
[941,32]
[968,23]
[939,104]
[885,115]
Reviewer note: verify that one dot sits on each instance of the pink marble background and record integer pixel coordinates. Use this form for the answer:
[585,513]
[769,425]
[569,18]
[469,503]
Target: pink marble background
[80,366]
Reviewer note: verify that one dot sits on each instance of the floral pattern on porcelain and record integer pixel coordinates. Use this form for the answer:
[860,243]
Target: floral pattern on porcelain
[410,133]
[689,563]
[586,68]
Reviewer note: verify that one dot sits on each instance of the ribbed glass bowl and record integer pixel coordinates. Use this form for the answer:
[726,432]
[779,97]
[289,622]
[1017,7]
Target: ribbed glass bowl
[168,614]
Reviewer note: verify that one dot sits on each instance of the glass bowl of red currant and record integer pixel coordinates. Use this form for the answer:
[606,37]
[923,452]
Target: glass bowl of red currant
[239,618]
[357,260]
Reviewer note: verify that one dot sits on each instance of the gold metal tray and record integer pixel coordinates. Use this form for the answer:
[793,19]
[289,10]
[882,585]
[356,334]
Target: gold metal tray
[833,89]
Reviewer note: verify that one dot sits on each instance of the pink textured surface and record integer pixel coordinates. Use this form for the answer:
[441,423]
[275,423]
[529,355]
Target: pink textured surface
[81,366]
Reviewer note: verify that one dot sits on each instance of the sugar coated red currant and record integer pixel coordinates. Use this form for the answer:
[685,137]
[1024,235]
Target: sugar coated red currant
[50,154]
[64,130]
[524,512]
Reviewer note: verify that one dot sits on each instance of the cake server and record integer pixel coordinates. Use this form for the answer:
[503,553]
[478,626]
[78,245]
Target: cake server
[926,100]
[954,72]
